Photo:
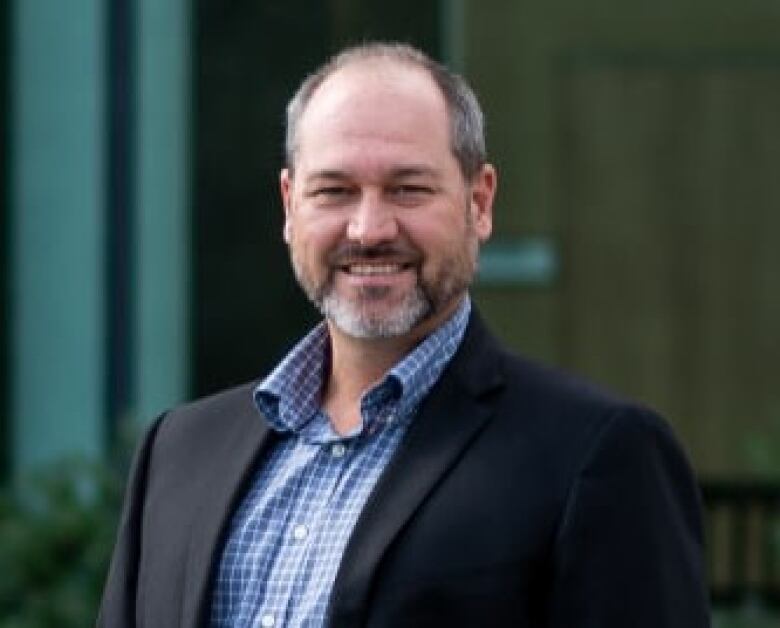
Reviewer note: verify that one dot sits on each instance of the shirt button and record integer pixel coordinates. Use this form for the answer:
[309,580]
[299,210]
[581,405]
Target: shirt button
[300,532]
[338,450]
[267,620]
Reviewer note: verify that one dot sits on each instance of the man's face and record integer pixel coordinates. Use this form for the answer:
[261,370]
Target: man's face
[382,228]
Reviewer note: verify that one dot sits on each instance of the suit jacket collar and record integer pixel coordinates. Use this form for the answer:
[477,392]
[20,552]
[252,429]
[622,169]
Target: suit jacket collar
[454,412]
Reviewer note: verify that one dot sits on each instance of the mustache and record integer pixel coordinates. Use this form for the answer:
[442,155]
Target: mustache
[349,253]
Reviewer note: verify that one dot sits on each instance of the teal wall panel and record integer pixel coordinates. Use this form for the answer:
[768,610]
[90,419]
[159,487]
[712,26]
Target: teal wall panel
[5,128]
[163,206]
[57,230]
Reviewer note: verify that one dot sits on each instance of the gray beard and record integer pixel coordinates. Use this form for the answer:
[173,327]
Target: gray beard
[349,318]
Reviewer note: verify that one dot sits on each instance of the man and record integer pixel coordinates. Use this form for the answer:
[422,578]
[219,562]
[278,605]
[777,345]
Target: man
[399,467]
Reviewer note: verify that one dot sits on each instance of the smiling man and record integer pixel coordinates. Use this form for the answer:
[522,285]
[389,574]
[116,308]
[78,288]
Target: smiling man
[399,467]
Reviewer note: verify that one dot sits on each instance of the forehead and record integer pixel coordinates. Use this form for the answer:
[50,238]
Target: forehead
[374,108]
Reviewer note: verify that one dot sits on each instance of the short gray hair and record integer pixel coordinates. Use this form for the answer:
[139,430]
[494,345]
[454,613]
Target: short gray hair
[467,134]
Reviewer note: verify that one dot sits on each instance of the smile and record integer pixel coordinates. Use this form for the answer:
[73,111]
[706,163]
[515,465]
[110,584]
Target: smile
[374,269]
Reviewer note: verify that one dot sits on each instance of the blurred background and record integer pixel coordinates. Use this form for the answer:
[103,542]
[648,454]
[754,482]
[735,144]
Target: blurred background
[141,263]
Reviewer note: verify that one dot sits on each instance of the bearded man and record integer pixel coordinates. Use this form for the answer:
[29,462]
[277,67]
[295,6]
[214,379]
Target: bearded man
[399,467]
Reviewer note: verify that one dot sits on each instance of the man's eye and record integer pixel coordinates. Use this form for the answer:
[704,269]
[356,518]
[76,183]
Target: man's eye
[332,195]
[332,191]
[411,191]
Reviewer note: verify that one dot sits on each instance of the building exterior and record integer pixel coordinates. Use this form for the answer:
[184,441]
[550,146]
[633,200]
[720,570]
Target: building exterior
[141,262]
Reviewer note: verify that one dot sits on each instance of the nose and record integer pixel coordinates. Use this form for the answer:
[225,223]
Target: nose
[372,222]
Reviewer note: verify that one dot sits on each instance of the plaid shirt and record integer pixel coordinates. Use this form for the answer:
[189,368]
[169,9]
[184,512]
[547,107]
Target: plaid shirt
[287,537]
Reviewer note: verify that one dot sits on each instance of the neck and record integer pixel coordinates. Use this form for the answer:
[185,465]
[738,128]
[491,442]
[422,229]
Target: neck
[356,364]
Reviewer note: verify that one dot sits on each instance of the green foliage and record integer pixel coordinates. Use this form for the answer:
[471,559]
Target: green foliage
[56,534]
[762,449]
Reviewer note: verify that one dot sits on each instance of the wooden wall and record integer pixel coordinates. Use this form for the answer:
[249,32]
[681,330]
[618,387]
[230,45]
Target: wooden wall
[644,144]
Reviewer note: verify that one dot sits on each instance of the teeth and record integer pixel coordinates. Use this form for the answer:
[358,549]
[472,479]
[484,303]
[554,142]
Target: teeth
[374,269]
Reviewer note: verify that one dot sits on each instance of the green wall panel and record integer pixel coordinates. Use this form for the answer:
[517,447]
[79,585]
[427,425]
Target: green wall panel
[162,279]
[57,230]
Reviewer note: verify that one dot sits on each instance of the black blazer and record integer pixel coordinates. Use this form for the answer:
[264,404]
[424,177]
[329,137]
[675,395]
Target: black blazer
[519,497]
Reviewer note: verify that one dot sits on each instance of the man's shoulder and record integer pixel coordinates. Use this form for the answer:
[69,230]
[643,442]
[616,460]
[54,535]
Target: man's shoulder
[551,399]
[572,413]
[236,396]
[485,356]
[210,418]
[537,379]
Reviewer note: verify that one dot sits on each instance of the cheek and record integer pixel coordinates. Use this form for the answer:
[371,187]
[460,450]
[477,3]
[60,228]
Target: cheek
[314,238]
[437,240]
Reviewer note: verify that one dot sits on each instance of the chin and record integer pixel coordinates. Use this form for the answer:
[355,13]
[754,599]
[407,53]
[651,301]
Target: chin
[360,322]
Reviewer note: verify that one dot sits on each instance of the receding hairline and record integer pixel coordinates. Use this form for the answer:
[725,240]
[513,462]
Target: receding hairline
[374,61]
[359,65]
[371,63]
[463,113]
[367,63]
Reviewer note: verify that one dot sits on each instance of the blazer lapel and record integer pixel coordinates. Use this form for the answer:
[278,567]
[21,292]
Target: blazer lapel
[450,418]
[248,438]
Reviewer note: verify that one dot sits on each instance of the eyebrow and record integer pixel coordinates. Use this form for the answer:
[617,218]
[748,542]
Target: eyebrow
[327,174]
[396,173]
[415,171]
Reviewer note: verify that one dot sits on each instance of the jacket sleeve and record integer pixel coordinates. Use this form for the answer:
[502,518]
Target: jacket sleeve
[117,609]
[629,550]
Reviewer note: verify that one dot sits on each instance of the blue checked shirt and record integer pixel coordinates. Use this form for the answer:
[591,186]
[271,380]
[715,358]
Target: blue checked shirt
[287,537]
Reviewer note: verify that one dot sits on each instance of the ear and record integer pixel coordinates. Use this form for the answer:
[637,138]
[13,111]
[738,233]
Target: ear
[483,191]
[285,187]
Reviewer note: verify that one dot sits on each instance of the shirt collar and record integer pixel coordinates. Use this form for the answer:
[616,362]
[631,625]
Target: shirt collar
[289,397]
